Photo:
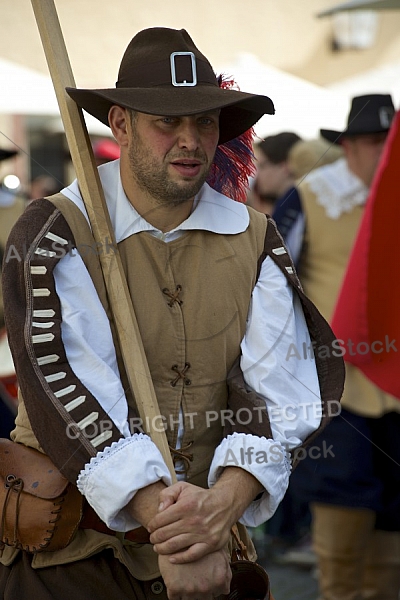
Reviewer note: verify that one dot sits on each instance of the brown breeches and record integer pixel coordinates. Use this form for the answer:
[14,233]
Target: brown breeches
[101,576]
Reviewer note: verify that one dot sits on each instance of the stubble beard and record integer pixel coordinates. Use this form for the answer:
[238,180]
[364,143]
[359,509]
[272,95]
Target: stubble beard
[155,180]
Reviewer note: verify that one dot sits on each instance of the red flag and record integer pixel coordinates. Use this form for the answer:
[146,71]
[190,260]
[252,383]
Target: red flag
[367,313]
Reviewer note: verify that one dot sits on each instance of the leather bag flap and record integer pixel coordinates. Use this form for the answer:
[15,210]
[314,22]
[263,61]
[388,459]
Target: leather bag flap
[41,478]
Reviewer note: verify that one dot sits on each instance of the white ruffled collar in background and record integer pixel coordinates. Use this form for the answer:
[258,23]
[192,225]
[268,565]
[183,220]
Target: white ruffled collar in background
[337,189]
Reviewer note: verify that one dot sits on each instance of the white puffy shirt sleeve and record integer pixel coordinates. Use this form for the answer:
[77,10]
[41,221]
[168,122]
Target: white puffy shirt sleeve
[278,364]
[111,478]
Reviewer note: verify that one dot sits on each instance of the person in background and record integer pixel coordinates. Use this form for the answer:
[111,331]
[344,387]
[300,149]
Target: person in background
[304,157]
[273,176]
[289,529]
[8,388]
[42,186]
[11,208]
[307,155]
[286,537]
[354,489]
[105,150]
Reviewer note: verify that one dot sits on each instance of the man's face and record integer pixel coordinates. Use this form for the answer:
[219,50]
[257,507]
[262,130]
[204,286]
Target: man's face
[363,153]
[271,177]
[170,157]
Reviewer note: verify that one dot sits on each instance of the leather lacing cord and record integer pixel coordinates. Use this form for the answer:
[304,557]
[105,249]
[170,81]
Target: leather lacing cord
[182,454]
[174,296]
[15,484]
[56,518]
[239,549]
[180,375]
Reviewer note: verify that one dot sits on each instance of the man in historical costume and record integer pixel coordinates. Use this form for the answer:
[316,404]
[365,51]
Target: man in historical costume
[355,491]
[273,178]
[212,287]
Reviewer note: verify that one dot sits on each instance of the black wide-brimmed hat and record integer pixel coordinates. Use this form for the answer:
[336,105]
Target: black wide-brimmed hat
[163,73]
[371,113]
[4,154]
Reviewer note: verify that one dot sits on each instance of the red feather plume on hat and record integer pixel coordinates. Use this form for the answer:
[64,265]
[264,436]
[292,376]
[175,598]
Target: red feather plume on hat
[233,162]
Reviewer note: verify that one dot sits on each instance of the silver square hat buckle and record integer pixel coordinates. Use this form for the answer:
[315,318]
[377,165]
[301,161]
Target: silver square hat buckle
[183,83]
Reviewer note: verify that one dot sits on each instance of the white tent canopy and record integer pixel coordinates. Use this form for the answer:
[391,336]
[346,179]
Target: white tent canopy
[362,5]
[24,91]
[28,92]
[383,80]
[301,106]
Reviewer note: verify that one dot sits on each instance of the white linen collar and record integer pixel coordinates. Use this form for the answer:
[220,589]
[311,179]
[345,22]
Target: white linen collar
[337,188]
[212,211]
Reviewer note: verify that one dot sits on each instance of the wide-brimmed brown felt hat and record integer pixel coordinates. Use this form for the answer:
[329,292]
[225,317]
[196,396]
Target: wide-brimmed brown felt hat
[371,113]
[163,73]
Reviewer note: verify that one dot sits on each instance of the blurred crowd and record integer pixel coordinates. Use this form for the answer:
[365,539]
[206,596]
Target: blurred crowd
[341,513]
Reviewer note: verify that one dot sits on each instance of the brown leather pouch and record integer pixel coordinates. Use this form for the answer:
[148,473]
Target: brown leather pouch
[40,509]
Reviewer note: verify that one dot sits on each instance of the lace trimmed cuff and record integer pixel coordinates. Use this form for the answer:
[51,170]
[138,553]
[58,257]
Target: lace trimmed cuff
[266,460]
[112,477]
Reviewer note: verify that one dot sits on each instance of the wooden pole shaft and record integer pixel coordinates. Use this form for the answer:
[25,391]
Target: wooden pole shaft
[92,193]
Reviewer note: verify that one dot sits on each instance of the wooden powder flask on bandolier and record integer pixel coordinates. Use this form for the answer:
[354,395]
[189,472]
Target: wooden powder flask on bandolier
[249,580]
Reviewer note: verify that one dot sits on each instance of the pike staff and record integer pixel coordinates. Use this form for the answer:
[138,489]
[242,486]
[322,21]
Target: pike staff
[131,345]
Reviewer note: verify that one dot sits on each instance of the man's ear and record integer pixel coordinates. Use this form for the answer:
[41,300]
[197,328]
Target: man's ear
[118,118]
[345,143]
